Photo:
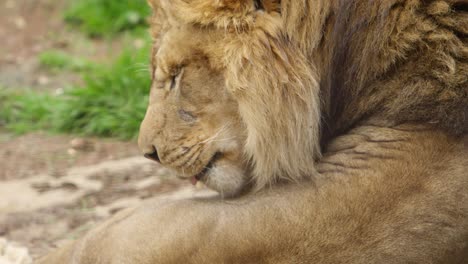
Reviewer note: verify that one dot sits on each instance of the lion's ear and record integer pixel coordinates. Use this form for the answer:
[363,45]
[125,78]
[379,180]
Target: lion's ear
[219,13]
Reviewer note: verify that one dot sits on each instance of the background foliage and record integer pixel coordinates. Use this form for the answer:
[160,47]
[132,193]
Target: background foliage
[112,98]
[107,17]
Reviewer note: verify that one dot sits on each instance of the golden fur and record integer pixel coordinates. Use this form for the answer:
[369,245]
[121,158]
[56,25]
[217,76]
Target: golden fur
[384,195]
[384,82]
[270,84]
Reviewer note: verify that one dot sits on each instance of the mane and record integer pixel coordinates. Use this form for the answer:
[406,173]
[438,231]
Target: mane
[387,61]
[278,96]
[272,80]
[293,64]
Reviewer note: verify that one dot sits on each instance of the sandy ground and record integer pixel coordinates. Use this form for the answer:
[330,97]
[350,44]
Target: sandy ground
[55,188]
[52,190]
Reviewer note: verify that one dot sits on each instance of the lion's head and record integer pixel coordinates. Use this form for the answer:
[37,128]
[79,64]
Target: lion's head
[233,102]
[192,122]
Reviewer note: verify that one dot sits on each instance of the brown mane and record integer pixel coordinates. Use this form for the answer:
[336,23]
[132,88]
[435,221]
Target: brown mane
[383,67]
[371,61]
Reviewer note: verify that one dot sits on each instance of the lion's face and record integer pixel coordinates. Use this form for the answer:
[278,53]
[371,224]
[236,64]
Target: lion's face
[192,124]
[234,102]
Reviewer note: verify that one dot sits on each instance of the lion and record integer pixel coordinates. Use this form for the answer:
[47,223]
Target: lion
[339,127]
[230,130]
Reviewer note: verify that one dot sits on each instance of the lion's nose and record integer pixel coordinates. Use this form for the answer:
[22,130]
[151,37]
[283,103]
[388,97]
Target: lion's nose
[153,155]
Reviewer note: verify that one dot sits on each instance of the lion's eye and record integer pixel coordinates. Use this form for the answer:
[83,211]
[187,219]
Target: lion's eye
[173,81]
[175,78]
[186,115]
[163,79]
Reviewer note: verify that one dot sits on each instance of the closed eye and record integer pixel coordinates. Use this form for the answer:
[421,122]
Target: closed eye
[173,81]
[175,78]
[186,115]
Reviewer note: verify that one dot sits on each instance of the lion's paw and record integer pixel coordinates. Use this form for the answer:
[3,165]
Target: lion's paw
[13,254]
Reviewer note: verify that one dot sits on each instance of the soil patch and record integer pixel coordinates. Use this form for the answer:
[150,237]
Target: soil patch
[53,193]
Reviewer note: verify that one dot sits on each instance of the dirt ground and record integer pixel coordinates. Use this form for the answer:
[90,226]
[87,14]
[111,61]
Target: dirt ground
[54,188]
[29,27]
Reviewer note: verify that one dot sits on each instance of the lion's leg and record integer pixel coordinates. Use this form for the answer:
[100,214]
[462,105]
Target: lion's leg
[384,196]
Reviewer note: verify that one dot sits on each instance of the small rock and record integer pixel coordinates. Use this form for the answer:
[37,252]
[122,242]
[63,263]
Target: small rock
[139,43]
[3,244]
[18,255]
[19,22]
[59,91]
[80,144]
[43,80]
[13,254]
[71,152]
[61,44]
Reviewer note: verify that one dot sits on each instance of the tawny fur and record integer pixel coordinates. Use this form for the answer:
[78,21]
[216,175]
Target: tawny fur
[392,185]
[384,195]
[274,84]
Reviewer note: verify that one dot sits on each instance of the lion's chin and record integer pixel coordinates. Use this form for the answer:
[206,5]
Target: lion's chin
[226,178]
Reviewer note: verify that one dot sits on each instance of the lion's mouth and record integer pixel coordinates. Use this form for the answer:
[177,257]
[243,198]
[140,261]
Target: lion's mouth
[202,174]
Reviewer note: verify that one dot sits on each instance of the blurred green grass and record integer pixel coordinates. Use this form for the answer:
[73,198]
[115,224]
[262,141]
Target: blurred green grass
[107,17]
[21,112]
[113,98]
[56,60]
[111,103]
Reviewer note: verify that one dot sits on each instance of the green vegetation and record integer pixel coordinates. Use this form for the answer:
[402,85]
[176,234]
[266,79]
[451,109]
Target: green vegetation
[56,60]
[107,17]
[113,98]
[111,103]
[25,111]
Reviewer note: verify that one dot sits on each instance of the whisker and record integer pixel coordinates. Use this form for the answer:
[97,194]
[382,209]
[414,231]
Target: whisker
[210,139]
[139,67]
